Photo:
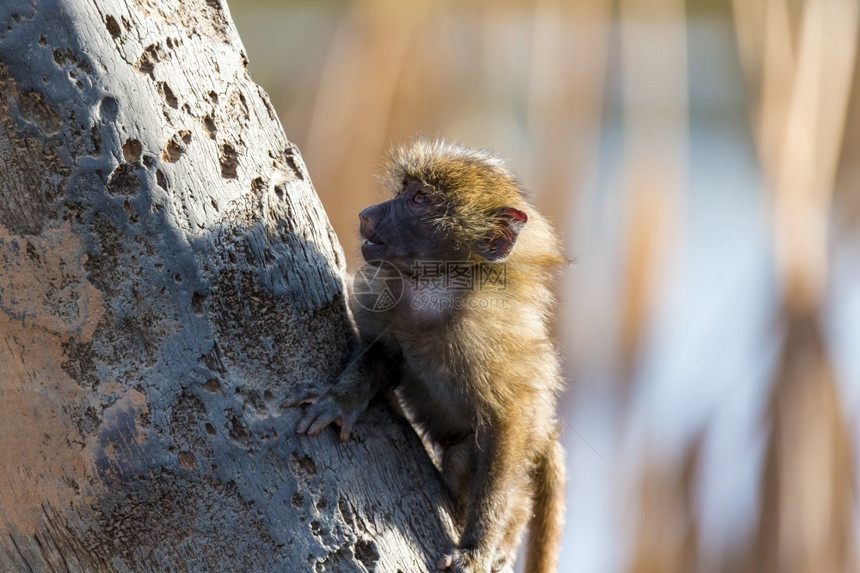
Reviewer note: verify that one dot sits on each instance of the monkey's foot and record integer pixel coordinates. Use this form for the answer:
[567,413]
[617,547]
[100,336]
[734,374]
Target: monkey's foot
[467,561]
[323,409]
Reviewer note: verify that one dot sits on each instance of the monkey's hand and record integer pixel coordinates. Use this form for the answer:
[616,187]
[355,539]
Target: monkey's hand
[468,561]
[340,404]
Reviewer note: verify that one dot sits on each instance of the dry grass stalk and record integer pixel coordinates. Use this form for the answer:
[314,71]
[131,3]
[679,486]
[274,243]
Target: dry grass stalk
[564,105]
[655,116]
[803,85]
[806,515]
[667,530]
[806,520]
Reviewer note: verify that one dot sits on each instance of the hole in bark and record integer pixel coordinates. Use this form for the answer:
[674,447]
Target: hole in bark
[31,251]
[187,460]
[129,210]
[175,146]
[212,385]
[108,109]
[210,429]
[302,464]
[147,60]
[36,110]
[96,138]
[258,184]
[131,150]
[366,552]
[197,303]
[160,179]
[229,159]
[168,95]
[209,124]
[123,181]
[112,26]
[298,500]
[238,431]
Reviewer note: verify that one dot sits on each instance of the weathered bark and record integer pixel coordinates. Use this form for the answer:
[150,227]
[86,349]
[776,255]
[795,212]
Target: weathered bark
[166,273]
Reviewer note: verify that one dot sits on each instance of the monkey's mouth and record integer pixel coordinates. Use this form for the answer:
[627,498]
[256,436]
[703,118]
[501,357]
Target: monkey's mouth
[371,239]
[373,248]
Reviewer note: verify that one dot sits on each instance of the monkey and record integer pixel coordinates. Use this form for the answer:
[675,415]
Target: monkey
[466,350]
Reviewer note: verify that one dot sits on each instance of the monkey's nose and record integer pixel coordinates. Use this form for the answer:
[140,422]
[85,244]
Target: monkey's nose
[369,215]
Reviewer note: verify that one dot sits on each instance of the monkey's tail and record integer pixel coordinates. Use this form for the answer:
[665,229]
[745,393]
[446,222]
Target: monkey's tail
[548,519]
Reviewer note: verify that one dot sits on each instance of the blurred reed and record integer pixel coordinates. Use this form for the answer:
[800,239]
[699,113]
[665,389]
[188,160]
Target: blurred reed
[654,85]
[667,530]
[532,79]
[802,60]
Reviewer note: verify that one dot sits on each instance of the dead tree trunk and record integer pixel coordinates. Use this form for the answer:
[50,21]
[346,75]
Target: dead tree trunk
[166,273]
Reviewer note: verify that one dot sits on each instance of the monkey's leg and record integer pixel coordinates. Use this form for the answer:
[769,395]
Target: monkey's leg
[457,469]
[500,479]
[519,514]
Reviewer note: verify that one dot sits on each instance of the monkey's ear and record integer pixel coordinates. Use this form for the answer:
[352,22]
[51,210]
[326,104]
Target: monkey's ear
[509,221]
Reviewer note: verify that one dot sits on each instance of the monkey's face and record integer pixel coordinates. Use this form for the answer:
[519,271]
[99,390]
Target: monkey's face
[404,230]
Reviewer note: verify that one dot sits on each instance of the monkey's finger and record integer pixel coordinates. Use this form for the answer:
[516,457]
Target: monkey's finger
[346,429]
[304,423]
[297,398]
[445,562]
[311,415]
[320,423]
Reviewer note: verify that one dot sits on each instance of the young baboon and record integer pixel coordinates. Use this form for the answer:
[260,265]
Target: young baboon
[466,347]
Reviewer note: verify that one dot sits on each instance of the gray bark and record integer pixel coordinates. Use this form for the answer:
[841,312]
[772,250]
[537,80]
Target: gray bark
[166,273]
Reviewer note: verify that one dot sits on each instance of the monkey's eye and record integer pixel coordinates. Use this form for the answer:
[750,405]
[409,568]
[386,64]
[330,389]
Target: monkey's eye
[421,198]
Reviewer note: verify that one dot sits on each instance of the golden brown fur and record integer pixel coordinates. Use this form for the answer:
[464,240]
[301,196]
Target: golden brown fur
[518,372]
[478,373]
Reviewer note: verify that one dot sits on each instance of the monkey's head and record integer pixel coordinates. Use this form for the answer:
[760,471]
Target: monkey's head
[449,203]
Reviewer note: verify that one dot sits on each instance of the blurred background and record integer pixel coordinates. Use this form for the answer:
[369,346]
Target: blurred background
[702,159]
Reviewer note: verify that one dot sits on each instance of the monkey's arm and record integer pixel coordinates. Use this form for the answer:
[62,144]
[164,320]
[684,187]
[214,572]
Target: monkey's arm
[372,368]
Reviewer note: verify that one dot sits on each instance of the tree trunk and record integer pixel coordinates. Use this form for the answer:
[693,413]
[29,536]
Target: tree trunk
[166,273]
